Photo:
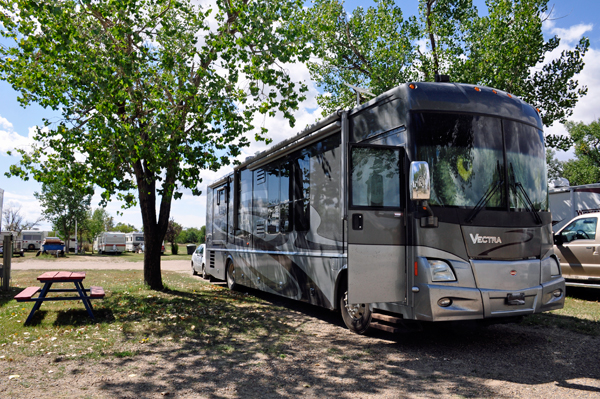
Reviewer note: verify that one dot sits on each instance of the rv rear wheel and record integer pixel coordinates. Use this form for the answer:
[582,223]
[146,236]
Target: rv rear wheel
[231,276]
[357,317]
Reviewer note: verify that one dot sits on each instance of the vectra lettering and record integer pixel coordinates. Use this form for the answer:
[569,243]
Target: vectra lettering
[477,239]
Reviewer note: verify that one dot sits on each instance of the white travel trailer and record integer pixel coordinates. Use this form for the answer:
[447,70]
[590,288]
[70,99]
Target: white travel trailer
[111,243]
[133,241]
[17,242]
[32,239]
[567,202]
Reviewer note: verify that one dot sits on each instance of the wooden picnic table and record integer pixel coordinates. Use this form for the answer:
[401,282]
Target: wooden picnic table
[49,278]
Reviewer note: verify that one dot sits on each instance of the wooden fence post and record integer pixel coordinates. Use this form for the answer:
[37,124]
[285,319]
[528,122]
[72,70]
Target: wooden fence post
[7,258]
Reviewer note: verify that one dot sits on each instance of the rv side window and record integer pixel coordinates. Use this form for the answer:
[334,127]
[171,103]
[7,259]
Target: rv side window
[581,229]
[301,188]
[375,177]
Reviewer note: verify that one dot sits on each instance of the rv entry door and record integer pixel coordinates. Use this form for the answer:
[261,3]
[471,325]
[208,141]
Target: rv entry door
[376,228]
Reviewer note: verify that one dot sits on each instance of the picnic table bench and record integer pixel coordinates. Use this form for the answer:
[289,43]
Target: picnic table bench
[49,278]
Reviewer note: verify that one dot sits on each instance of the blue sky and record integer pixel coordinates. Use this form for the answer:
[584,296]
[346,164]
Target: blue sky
[570,20]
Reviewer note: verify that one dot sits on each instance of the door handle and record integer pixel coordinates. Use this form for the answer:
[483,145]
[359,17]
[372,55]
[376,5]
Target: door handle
[357,221]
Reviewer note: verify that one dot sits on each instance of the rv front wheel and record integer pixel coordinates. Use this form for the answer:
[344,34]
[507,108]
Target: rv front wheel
[231,276]
[357,317]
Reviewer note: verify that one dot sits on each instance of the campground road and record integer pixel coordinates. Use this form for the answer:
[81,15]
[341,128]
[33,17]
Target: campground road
[76,262]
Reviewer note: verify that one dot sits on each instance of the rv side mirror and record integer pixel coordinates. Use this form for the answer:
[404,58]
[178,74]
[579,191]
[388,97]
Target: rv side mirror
[419,184]
[558,239]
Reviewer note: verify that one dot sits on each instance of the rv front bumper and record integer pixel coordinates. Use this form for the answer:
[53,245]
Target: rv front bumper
[452,303]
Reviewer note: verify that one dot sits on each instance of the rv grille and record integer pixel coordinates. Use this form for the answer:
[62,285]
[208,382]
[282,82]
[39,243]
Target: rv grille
[211,259]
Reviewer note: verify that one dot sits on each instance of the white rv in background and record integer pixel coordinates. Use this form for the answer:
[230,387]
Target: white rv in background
[566,202]
[111,243]
[17,243]
[32,239]
[133,241]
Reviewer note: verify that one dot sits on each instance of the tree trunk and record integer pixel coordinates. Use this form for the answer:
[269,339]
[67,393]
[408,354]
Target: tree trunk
[154,228]
[152,247]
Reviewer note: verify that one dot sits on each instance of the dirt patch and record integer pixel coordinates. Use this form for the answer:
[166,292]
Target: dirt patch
[322,359]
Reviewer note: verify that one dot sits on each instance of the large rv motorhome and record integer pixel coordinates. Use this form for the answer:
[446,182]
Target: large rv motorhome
[133,241]
[111,243]
[428,203]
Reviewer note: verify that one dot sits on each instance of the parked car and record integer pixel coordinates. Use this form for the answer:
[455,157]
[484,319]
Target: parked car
[577,246]
[198,262]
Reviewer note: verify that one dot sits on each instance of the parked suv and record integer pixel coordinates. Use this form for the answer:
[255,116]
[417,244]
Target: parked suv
[577,246]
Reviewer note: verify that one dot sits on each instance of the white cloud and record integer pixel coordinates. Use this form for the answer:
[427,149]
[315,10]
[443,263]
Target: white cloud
[10,140]
[5,124]
[30,208]
[573,33]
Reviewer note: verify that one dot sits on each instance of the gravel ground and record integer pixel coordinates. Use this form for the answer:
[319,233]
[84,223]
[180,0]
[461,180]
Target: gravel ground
[77,262]
[325,360]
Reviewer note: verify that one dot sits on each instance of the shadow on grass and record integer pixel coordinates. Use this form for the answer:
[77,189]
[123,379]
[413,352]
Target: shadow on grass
[553,320]
[249,343]
[7,296]
[439,362]
[80,317]
[586,294]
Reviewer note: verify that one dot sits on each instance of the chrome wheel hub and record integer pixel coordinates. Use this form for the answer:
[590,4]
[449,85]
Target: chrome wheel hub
[356,311]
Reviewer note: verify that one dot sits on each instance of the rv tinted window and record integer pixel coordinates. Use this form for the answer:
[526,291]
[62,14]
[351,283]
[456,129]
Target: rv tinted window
[375,177]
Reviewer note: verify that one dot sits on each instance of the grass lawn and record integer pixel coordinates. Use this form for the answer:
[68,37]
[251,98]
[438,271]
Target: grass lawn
[581,312]
[131,316]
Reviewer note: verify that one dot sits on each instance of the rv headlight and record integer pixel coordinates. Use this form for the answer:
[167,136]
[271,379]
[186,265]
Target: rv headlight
[551,263]
[440,270]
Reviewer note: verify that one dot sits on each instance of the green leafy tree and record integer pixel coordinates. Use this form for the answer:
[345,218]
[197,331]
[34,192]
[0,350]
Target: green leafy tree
[378,48]
[202,235]
[124,228]
[152,92]
[581,171]
[173,231]
[192,235]
[585,140]
[555,167]
[64,206]
[95,223]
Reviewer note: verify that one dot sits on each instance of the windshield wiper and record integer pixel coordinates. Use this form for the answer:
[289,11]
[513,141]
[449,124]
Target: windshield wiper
[487,196]
[517,188]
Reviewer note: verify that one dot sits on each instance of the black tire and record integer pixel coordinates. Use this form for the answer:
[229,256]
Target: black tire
[356,317]
[204,275]
[230,276]
[193,270]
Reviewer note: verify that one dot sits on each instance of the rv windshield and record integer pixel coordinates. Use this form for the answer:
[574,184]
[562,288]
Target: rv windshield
[466,158]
